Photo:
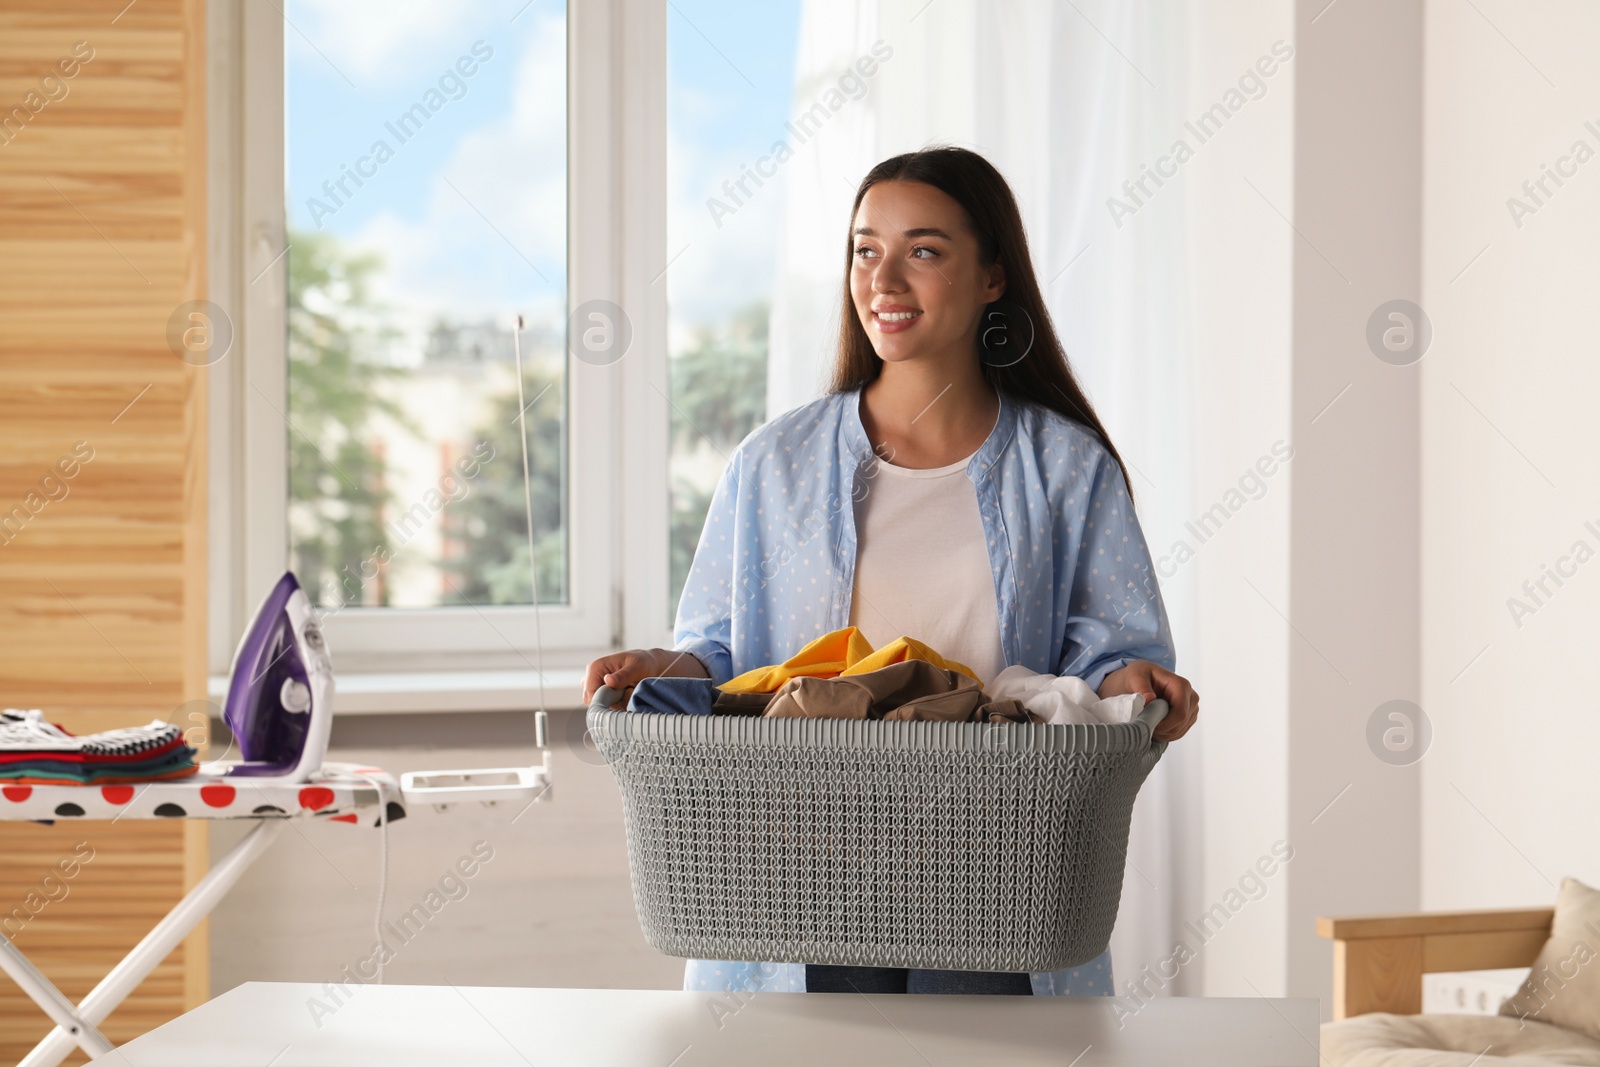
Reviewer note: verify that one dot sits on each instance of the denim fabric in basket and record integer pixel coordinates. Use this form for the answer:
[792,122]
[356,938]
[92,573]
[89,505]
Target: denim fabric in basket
[674,696]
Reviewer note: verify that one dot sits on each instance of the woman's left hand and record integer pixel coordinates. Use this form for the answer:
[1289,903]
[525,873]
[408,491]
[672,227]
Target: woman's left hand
[1157,683]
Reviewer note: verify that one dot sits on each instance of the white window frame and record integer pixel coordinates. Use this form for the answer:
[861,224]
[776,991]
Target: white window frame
[617,507]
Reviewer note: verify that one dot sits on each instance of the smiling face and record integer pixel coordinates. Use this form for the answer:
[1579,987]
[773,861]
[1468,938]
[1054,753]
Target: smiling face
[917,277]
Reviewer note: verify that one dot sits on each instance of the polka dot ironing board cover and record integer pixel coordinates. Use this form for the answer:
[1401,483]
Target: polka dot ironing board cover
[339,792]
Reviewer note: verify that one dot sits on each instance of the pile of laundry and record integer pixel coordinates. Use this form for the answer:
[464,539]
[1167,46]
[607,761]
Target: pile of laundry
[840,676]
[36,752]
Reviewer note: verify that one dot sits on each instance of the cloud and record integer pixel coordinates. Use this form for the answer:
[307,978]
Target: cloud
[448,258]
[496,204]
[382,43]
[721,270]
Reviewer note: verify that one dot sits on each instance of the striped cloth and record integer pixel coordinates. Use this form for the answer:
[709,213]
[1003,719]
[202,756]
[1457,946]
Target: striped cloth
[34,750]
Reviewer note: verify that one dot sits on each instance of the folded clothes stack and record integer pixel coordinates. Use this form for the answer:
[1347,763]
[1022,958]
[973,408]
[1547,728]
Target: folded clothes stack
[36,752]
[839,676]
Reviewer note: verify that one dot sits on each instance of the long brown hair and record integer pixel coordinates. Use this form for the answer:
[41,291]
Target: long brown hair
[1044,376]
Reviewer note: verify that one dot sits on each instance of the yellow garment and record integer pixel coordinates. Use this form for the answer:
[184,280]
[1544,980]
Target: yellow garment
[844,651]
[903,648]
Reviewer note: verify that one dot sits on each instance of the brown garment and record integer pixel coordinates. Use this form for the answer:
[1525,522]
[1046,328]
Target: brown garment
[740,703]
[912,690]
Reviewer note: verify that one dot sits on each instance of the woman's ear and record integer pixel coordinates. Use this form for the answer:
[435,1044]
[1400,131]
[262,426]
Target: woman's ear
[994,281]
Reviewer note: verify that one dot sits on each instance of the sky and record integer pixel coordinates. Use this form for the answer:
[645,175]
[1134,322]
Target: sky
[730,75]
[470,210]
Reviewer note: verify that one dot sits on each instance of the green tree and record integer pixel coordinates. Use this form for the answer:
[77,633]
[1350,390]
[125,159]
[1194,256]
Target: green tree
[719,394]
[490,522]
[337,483]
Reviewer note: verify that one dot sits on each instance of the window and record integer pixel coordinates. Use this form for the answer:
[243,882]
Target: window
[393,184]
[408,179]
[730,79]
[426,210]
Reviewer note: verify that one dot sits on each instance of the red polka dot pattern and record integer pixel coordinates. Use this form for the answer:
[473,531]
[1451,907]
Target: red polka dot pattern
[217,796]
[316,797]
[338,793]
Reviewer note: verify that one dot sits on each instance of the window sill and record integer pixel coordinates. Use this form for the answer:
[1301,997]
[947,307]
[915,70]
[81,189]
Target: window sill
[400,692]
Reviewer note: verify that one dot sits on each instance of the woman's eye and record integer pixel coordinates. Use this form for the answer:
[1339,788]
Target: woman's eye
[864,252]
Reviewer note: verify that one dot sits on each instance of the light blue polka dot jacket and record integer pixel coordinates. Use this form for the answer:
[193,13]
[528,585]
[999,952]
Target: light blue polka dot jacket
[776,563]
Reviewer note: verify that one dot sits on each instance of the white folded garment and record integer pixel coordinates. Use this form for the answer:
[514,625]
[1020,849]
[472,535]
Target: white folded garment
[1062,700]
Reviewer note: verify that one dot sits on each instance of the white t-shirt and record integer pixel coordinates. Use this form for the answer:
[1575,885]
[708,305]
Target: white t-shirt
[922,567]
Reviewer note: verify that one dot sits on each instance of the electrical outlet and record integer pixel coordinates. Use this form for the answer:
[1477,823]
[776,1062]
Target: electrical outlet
[1469,992]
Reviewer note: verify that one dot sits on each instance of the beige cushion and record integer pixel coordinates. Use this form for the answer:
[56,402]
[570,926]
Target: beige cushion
[1382,1040]
[1563,986]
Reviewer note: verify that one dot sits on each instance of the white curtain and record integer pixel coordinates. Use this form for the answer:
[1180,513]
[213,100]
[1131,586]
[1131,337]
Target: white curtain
[1068,101]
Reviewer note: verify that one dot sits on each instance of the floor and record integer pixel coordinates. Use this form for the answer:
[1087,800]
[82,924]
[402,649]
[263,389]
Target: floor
[552,907]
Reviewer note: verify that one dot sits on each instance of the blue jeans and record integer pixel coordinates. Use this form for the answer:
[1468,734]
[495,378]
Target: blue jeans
[826,978]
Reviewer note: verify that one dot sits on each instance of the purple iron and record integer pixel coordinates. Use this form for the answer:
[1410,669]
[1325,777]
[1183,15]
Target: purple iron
[280,698]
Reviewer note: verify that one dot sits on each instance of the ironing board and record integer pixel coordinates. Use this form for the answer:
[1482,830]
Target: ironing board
[339,792]
[279,709]
[335,794]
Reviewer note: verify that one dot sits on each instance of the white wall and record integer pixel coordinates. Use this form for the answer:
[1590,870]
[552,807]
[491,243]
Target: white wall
[1509,790]
[553,907]
[1353,594]
[1240,259]
[1307,219]
[1420,498]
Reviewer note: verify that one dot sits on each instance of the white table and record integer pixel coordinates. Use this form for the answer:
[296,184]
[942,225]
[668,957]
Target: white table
[260,1023]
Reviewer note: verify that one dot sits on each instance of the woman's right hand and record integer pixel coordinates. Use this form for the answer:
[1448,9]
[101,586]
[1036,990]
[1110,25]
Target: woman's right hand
[619,670]
[623,670]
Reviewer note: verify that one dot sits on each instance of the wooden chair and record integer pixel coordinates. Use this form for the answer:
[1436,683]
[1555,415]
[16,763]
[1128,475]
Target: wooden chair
[1379,960]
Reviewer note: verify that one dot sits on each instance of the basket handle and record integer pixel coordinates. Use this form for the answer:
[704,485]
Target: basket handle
[1152,715]
[604,697]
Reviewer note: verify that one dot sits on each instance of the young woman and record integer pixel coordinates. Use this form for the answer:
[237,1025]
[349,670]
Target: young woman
[955,486]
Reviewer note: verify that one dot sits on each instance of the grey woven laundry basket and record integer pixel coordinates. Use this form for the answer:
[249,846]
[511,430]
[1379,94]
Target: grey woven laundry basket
[960,846]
